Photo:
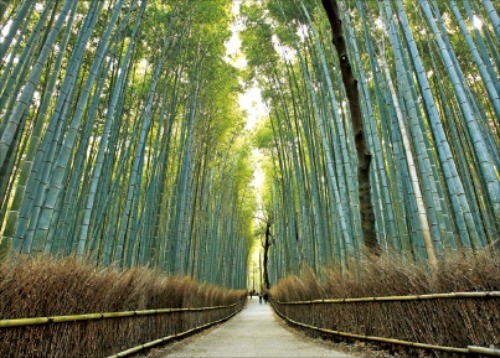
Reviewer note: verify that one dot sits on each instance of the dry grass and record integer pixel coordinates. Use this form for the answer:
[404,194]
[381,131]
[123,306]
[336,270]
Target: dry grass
[449,322]
[40,287]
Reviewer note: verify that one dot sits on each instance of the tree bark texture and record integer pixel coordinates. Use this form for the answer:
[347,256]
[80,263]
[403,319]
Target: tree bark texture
[266,245]
[364,156]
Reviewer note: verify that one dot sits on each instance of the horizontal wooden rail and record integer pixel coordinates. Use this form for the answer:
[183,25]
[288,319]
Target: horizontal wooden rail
[434,296]
[33,321]
[483,350]
[156,342]
[469,350]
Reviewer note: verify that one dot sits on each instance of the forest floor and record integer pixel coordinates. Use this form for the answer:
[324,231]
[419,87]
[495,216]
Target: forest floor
[255,332]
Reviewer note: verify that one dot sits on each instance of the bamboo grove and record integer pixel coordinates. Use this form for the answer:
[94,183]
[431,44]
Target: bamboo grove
[428,79]
[121,141]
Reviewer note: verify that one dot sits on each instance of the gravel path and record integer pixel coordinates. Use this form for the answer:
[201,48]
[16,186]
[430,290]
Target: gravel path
[255,332]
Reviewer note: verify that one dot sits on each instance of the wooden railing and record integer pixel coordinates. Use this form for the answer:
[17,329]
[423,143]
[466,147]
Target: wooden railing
[325,315]
[34,321]
[168,338]
[190,325]
[432,296]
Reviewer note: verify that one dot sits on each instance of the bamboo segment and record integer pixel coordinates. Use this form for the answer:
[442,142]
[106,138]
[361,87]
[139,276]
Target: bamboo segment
[19,322]
[74,318]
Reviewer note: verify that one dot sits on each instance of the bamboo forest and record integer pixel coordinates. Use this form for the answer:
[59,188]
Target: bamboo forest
[182,156]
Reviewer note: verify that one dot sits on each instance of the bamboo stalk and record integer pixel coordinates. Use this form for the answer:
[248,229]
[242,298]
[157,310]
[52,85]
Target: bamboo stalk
[33,321]
[433,296]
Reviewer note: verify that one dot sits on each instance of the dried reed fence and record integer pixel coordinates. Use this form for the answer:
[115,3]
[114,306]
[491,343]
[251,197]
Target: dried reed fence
[137,306]
[395,302]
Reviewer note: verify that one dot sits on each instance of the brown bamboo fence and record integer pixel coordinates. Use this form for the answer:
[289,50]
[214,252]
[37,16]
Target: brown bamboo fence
[104,333]
[457,322]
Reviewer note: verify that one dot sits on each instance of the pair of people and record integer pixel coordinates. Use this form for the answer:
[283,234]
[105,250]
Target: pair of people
[265,296]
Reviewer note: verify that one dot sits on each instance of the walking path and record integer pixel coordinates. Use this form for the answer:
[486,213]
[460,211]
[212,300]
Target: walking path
[254,332]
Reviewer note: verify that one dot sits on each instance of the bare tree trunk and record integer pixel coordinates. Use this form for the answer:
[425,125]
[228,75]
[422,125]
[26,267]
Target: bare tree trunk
[266,245]
[364,156]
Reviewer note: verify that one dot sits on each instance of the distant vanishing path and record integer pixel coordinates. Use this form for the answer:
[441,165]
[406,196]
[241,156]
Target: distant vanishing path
[254,332]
